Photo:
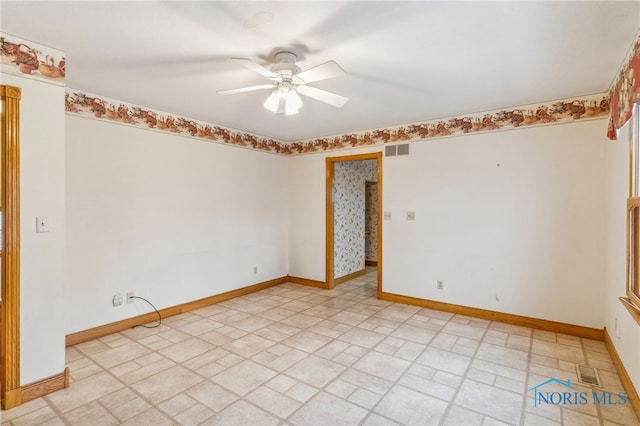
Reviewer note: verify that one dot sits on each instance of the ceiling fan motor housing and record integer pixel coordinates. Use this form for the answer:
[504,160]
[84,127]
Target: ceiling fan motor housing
[285,64]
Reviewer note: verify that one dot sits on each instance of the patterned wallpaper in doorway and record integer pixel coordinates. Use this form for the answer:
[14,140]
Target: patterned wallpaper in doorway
[371,221]
[349,217]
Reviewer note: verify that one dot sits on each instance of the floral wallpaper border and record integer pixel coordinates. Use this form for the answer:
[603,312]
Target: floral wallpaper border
[102,108]
[555,112]
[625,90]
[32,60]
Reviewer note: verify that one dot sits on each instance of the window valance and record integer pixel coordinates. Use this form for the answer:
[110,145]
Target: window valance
[625,91]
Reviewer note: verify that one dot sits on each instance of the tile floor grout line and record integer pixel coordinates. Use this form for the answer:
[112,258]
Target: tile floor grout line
[591,387]
[131,388]
[323,389]
[208,379]
[523,416]
[55,409]
[396,382]
[175,363]
[464,375]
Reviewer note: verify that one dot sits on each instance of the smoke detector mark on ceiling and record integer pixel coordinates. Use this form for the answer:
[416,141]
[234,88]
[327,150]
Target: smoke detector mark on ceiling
[259,18]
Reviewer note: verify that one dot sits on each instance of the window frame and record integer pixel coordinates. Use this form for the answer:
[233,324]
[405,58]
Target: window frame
[632,300]
[633,250]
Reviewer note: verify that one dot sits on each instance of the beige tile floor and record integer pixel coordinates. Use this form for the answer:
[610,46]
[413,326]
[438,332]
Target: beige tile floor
[304,356]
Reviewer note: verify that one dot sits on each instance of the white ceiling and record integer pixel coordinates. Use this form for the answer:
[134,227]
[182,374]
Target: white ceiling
[405,61]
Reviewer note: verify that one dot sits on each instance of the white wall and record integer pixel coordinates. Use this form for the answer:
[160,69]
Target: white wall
[42,256]
[627,336]
[529,231]
[510,221]
[171,218]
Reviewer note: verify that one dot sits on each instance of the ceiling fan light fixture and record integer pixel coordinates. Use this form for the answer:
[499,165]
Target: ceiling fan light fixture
[283,100]
[273,102]
[292,103]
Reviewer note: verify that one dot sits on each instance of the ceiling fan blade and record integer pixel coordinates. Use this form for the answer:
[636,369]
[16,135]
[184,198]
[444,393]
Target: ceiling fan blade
[323,96]
[248,63]
[321,72]
[245,89]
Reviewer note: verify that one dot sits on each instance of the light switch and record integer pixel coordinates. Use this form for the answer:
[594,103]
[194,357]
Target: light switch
[42,224]
[387,216]
[411,215]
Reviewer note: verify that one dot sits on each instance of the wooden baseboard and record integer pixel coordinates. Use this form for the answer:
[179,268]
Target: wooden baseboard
[114,327]
[632,394]
[558,327]
[306,281]
[345,278]
[371,263]
[45,386]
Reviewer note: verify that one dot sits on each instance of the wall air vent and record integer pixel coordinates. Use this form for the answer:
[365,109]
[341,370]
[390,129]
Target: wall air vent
[588,375]
[403,149]
[396,150]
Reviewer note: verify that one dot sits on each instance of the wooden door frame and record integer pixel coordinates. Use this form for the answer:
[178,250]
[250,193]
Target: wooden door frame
[329,222]
[10,391]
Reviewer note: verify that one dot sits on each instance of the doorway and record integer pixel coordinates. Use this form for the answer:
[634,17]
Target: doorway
[334,167]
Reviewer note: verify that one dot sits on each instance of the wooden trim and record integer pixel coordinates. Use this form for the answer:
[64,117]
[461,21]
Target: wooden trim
[631,307]
[10,395]
[634,145]
[345,278]
[45,386]
[329,214]
[12,398]
[114,327]
[10,92]
[356,157]
[330,224]
[627,384]
[306,281]
[371,263]
[631,161]
[557,327]
[633,256]
[380,214]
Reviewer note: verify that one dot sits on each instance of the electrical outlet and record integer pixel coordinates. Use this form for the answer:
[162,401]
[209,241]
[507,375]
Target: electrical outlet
[117,300]
[130,295]
[255,269]
[440,285]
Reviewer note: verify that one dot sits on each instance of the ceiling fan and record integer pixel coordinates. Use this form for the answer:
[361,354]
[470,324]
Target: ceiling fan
[289,81]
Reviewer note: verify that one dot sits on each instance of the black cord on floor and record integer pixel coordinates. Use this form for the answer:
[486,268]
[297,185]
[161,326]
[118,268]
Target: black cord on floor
[154,308]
